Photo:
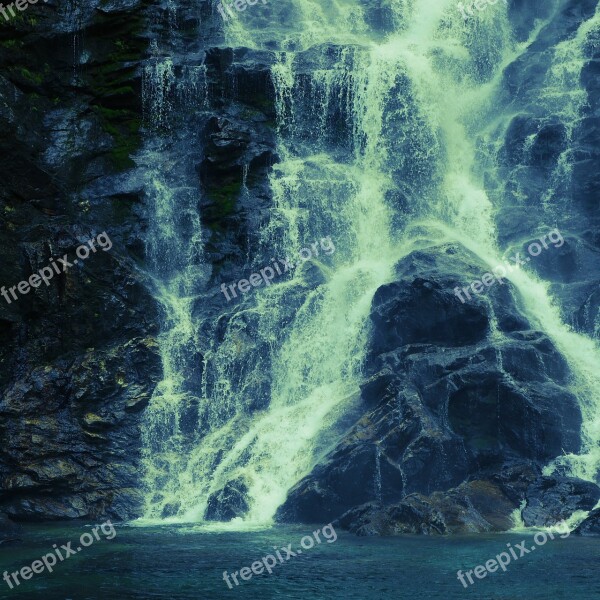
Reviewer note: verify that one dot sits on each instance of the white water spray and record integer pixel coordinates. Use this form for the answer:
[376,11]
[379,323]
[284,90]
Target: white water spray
[414,105]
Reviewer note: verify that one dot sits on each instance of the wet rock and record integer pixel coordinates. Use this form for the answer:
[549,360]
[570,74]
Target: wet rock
[590,526]
[76,441]
[474,507]
[534,142]
[534,156]
[379,15]
[239,152]
[424,311]
[78,358]
[313,274]
[9,530]
[553,499]
[228,503]
[170,509]
[445,402]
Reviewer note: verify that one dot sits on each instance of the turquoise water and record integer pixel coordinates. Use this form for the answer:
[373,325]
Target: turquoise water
[187,563]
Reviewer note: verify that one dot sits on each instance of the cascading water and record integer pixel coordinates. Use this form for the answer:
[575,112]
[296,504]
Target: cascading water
[382,135]
[174,97]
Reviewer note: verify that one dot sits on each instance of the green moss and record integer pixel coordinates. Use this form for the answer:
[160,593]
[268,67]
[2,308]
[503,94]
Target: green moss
[264,103]
[10,44]
[113,79]
[122,91]
[226,196]
[123,126]
[36,78]
[111,83]
[25,17]
[224,200]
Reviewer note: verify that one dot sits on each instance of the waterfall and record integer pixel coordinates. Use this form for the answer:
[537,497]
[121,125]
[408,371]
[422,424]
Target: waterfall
[384,137]
[174,98]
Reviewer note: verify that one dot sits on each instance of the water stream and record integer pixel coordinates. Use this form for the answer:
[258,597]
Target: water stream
[382,135]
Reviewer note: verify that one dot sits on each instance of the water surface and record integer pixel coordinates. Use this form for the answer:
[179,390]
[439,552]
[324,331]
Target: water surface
[187,563]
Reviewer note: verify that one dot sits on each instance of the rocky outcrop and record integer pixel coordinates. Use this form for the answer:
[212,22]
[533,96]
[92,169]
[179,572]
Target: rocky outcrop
[74,428]
[228,503]
[554,499]
[458,392]
[78,358]
[590,526]
[480,506]
[9,531]
[474,507]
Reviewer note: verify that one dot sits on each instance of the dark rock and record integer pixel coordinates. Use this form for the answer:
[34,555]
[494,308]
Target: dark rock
[474,507]
[590,526]
[553,499]
[170,510]
[444,404]
[228,503]
[76,440]
[78,357]
[424,312]
[9,530]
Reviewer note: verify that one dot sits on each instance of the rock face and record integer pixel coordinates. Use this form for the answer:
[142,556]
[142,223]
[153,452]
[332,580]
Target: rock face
[229,503]
[458,392]
[590,526]
[481,506]
[463,403]
[551,500]
[78,358]
[477,506]
[536,141]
